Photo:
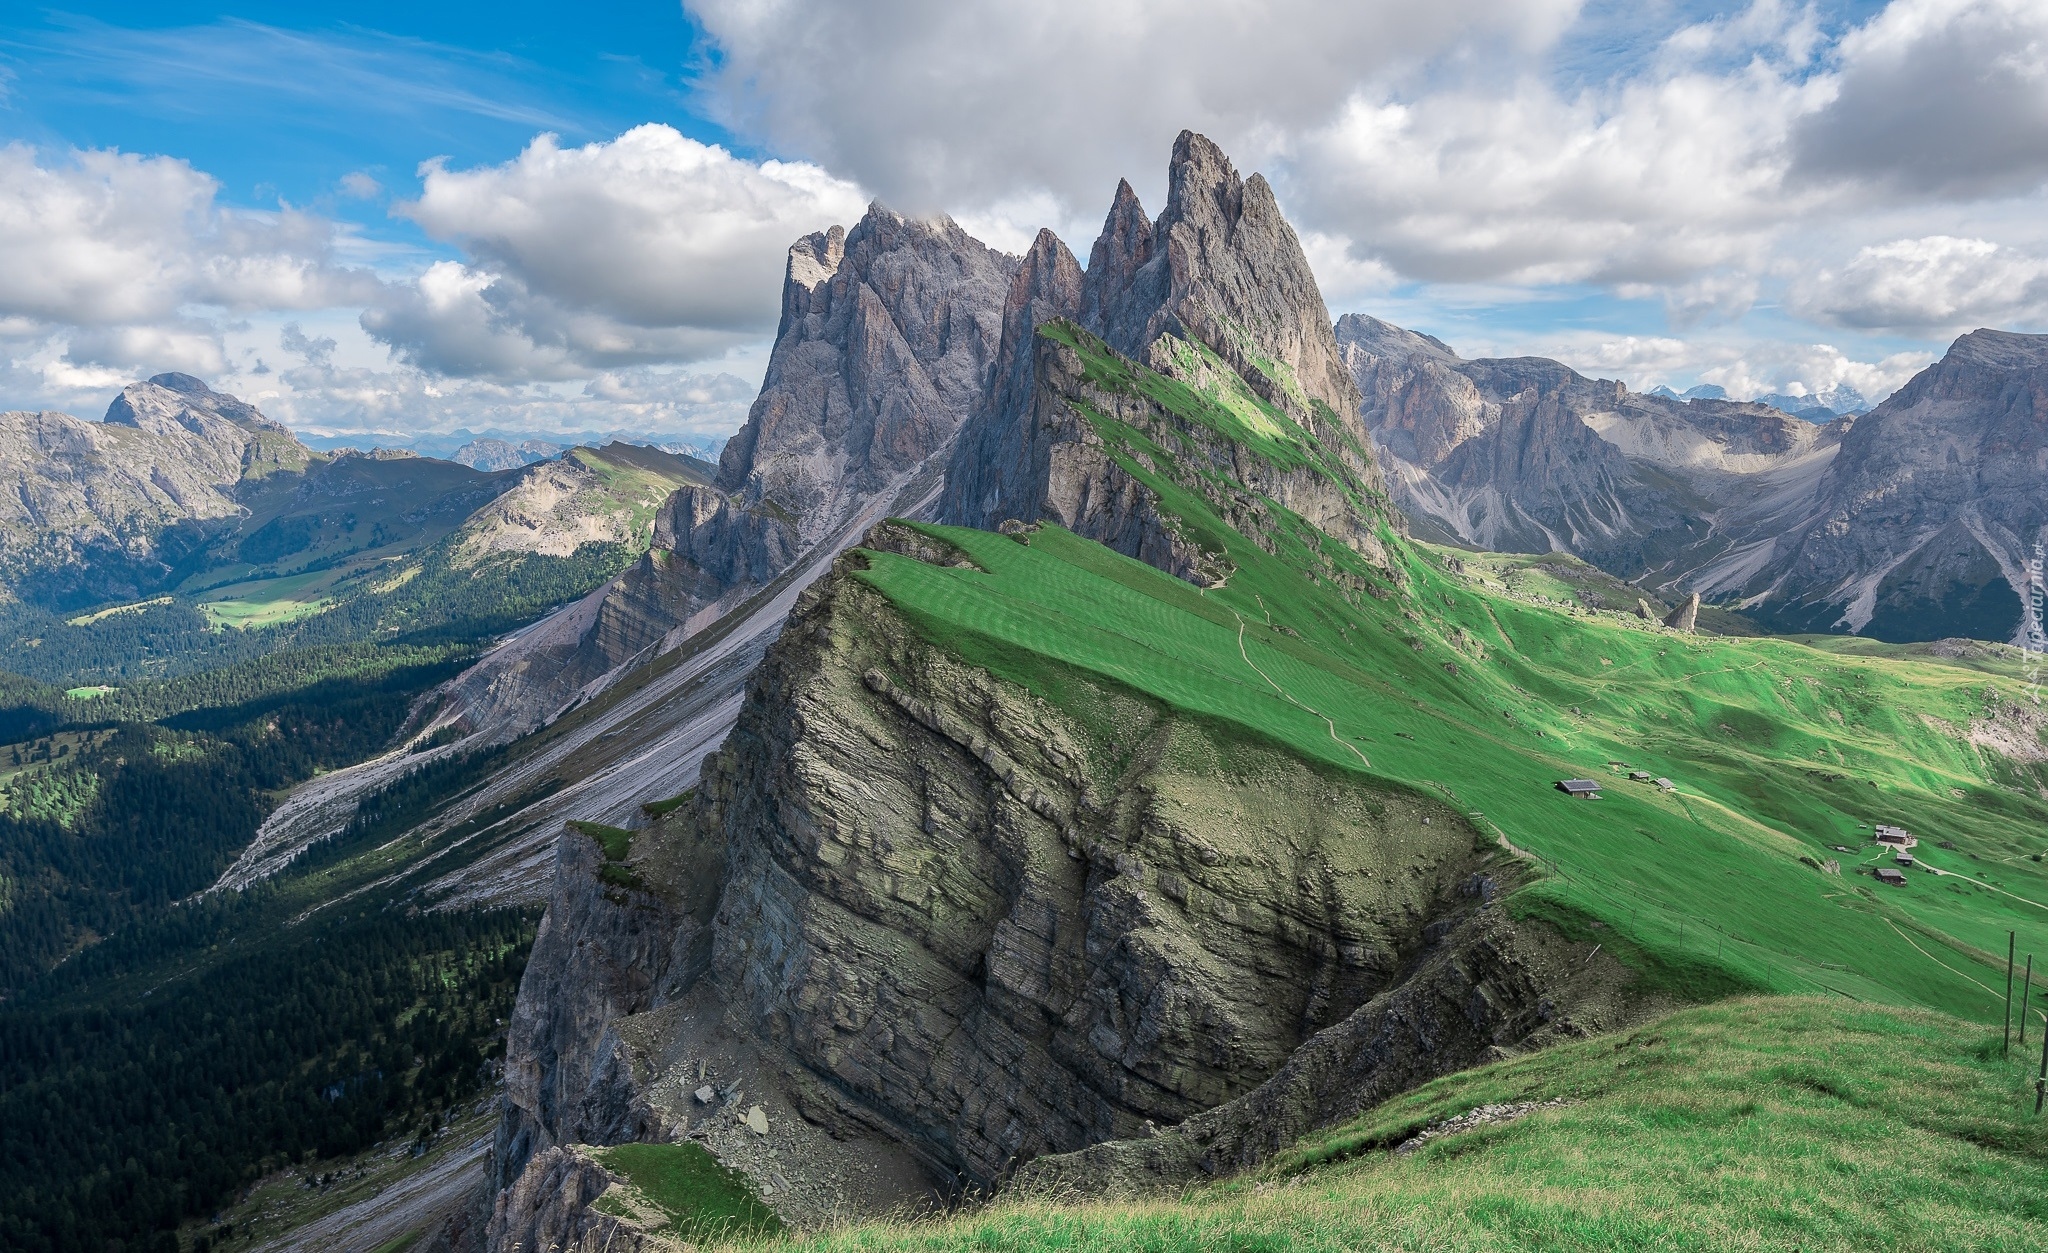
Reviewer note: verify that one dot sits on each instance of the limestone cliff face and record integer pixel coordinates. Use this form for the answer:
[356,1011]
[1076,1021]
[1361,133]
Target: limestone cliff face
[886,338]
[1221,266]
[94,511]
[945,900]
[1924,524]
[1215,295]
[1527,455]
[962,921]
[1484,987]
[609,946]
[549,1208]
[991,928]
[887,335]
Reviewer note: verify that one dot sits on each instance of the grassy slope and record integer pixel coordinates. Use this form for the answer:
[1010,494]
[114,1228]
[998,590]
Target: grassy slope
[628,480]
[681,1190]
[1779,749]
[1771,1123]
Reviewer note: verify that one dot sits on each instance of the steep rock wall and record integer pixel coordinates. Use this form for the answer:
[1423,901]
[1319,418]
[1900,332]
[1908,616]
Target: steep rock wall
[609,946]
[1216,296]
[886,337]
[1003,930]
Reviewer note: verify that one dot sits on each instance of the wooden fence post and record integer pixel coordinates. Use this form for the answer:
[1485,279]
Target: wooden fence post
[2041,1081]
[2026,998]
[2011,946]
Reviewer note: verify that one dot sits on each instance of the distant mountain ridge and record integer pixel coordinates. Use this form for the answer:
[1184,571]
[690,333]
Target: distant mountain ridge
[1909,522]
[1837,401]
[102,510]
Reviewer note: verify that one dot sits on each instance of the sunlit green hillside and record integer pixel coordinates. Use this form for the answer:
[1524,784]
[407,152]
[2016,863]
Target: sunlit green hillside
[1458,683]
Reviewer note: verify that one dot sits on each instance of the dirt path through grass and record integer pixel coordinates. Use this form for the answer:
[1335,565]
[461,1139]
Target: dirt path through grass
[1287,696]
[1931,957]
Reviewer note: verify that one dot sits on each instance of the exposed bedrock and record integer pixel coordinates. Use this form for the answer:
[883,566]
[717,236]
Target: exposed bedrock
[992,929]
[1484,987]
[548,1207]
[886,337]
[1215,294]
[608,947]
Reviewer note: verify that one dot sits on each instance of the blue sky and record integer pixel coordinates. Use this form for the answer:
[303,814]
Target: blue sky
[282,101]
[356,214]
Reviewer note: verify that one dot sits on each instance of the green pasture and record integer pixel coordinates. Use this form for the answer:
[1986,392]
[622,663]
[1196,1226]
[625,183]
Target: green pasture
[268,602]
[680,1190]
[1465,686]
[1747,728]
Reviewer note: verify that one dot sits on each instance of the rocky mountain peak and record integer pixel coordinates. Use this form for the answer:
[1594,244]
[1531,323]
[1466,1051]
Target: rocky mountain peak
[1121,251]
[2000,350]
[1222,266]
[167,403]
[1363,332]
[886,333]
[814,259]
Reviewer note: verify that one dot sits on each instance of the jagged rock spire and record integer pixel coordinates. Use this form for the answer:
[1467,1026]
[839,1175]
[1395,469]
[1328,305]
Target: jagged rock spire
[1221,265]
[995,449]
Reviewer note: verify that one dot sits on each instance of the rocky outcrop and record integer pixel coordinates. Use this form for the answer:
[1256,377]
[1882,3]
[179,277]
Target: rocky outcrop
[955,919]
[1923,525]
[1215,296]
[1485,987]
[887,335]
[610,945]
[591,496]
[1686,617]
[988,928]
[97,511]
[1221,266]
[548,1207]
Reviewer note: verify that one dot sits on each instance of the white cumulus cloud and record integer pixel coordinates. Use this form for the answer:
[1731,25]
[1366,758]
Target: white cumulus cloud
[1943,98]
[648,247]
[118,260]
[1937,283]
[961,104]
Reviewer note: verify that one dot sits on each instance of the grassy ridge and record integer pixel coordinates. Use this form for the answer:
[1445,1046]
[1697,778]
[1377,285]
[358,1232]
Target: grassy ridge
[1761,1124]
[1748,728]
[1477,689]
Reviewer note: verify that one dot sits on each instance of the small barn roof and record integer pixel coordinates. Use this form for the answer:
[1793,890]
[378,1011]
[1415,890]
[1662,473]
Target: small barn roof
[1888,875]
[1578,787]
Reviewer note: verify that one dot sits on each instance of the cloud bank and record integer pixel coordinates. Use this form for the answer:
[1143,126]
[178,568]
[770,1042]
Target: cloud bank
[1785,197]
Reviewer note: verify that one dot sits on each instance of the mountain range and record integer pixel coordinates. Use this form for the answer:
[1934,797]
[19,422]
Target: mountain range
[978,887]
[1913,521]
[1097,731]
